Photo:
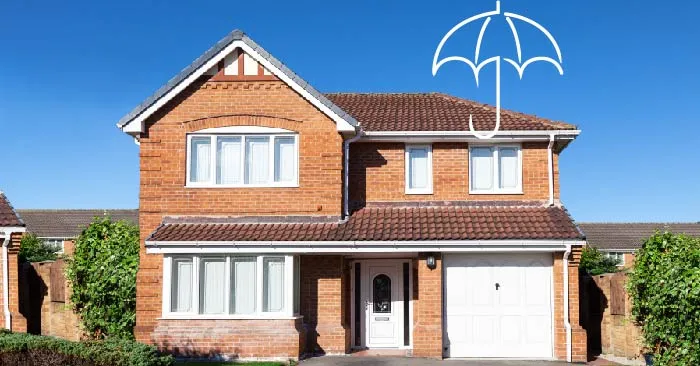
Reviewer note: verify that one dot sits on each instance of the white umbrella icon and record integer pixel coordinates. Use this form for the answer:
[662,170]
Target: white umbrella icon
[477,65]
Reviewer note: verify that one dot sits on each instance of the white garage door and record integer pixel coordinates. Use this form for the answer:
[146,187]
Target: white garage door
[498,305]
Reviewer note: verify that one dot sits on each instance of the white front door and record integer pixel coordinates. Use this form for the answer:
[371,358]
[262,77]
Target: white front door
[498,305]
[382,305]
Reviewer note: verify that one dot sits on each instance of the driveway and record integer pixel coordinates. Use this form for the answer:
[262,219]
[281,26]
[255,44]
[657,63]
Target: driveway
[403,361]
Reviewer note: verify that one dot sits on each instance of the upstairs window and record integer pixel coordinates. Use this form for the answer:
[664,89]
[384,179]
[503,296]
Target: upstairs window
[242,160]
[495,170]
[419,169]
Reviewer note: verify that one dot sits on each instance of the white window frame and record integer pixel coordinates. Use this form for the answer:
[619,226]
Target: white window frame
[211,183]
[496,169]
[290,297]
[407,172]
[614,254]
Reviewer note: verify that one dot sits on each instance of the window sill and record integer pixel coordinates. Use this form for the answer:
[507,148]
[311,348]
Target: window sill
[501,193]
[229,317]
[220,186]
[413,192]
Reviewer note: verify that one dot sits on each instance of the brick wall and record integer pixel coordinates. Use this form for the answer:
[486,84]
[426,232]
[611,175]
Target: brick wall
[19,323]
[427,309]
[377,173]
[218,104]
[578,334]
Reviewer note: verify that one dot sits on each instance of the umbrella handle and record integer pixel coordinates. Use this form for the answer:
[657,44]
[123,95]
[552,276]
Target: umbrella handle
[498,107]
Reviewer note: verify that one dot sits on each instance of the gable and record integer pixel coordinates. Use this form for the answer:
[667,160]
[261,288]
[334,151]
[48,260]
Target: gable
[236,56]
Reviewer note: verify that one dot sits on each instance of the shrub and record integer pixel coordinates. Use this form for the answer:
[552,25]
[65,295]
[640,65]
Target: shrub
[664,286]
[102,273]
[30,350]
[594,262]
[33,249]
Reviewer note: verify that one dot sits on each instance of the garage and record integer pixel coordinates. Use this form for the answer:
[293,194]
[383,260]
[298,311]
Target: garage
[498,305]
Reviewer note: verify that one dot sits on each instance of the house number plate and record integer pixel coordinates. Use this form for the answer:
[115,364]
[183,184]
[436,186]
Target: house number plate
[382,319]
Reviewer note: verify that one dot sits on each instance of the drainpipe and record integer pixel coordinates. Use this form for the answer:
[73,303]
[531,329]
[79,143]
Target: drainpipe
[6,282]
[567,323]
[550,166]
[346,195]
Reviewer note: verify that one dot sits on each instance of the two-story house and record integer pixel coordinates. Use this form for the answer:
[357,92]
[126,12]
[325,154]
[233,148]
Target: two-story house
[276,220]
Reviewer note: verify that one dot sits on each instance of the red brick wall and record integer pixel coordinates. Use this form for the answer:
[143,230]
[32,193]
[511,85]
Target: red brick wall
[232,338]
[218,104]
[325,303]
[578,334]
[427,309]
[19,323]
[377,173]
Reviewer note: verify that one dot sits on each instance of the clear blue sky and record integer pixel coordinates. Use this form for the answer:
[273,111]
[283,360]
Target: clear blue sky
[70,70]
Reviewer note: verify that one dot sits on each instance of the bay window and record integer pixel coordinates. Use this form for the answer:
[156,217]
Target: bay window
[230,286]
[242,160]
[495,169]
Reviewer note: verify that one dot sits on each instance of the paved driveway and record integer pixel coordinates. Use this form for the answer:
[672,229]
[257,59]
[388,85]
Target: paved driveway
[402,361]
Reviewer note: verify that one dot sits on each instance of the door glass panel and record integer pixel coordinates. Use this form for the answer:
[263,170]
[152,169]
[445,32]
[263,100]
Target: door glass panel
[381,292]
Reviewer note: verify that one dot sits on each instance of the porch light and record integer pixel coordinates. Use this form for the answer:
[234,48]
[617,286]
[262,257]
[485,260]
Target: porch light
[430,261]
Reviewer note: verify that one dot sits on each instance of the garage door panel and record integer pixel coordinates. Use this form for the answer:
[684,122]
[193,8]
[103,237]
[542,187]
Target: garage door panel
[511,321]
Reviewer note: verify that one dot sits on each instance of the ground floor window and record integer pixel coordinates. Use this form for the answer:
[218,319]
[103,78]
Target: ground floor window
[618,256]
[230,285]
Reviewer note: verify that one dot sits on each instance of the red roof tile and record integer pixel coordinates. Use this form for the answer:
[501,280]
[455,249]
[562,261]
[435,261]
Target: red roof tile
[450,222]
[8,216]
[433,112]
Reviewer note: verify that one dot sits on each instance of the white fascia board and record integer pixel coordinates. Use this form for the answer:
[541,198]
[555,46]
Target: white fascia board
[136,125]
[13,229]
[502,136]
[457,246]
[617,250]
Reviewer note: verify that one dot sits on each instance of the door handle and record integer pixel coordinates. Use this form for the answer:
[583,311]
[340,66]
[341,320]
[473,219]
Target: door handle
[497,286]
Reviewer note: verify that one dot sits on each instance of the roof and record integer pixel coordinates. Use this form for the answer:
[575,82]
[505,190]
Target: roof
[433,112]
[466,221]
[629,236]
[218,47]
[8,216]
[69,223]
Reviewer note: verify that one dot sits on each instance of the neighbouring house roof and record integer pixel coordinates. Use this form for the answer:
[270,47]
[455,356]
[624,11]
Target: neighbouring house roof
[433,112]
[214,51]
[629,236]
[467,221]
[69,223]
[8,215]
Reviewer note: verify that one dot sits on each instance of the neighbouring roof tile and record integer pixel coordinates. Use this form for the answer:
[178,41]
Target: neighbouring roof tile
[8,216]
[69,223]
[433,112]
[390,223]
[626,236]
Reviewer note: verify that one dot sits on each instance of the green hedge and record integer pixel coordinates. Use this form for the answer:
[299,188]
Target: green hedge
[30,350]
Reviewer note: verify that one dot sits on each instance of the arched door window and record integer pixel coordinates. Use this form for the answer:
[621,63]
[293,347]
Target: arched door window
[381,293]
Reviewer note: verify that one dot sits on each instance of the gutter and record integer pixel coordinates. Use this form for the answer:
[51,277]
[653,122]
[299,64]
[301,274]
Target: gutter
[567,323]
[346,178]
[550,167]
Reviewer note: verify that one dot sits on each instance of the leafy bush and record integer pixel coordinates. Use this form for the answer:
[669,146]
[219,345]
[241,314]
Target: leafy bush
[33,249]
[664,285]
[31,350]
[102,273]
[594,262]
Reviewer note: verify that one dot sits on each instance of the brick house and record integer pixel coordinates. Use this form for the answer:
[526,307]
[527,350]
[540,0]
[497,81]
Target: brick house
[278,221]
[12,229]
[621,240]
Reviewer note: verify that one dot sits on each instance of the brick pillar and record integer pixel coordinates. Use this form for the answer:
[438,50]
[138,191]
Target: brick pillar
[578,334]
[427,309]
[19,323]
[324,303]
[149,286]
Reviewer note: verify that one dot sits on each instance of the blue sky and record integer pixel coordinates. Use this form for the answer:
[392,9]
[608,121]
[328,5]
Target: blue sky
[70,70]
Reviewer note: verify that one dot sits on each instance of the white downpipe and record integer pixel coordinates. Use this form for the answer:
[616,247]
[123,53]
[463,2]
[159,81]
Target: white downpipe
[567,323]
[346,184]
[6,282]
[550,166]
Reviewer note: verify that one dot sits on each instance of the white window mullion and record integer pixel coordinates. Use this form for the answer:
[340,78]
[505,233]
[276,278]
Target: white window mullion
[259,285]
[271,166]
[244,158]
[197,286]
[212,175]
[227,286]
[496,169]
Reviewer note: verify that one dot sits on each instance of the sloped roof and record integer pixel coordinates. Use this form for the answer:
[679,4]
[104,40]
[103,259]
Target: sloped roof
[433,112]
[69,223]
[235,35]
[629,236]
[8,216]
[462,221]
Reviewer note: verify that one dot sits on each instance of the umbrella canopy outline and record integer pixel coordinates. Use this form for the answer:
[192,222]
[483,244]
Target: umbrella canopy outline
[476,66]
